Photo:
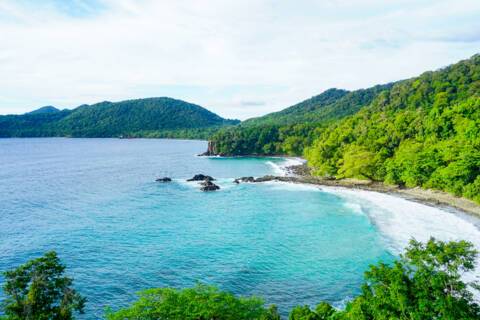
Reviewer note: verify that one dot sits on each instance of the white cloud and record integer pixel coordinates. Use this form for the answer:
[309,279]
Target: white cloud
[221,53]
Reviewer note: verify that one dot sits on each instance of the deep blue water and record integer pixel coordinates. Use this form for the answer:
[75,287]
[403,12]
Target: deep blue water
[96,203]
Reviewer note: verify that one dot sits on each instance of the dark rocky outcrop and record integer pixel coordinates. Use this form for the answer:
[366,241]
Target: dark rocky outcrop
[209,186]
[299,170]
[201,177]
[211,150]
[244,179]
[164,179]
[266,178]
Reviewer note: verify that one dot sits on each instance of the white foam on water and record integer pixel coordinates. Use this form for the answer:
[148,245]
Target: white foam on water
[293,162]
[342,304]
[280,185]
[225,183]
[277,169]
[184,182]
[355,207]
[280,169]
[400,220]
[214,156]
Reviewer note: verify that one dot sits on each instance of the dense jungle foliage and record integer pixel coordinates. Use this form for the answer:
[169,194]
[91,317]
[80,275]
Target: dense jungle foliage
[290,130]
[424,283]
[152,117]
[423,132]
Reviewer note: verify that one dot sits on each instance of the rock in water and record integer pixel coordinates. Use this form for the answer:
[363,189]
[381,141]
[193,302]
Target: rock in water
[209,186]
[244,179]
[201,177]
[164,179]
[266,178]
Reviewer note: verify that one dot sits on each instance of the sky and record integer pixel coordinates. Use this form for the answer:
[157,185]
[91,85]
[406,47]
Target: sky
[239,59]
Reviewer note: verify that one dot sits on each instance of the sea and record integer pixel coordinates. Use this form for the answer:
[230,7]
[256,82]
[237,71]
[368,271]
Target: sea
[118,231]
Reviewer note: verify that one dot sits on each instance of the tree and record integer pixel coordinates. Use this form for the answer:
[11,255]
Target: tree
[425,283]
[201,302]
[39,290]
[323,311]
[357,162]
[302,313]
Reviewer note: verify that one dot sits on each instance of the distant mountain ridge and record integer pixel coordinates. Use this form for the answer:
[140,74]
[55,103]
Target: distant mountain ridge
[149,117]
[46,109]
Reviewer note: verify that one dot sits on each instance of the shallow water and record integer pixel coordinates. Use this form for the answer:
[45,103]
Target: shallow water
[96,203]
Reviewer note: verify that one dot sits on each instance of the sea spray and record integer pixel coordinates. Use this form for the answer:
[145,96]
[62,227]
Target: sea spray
[281,168]
[400,220]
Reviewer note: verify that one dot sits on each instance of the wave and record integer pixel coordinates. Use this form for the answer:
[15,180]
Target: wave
[342,304]
[281,168]
[288,186]
[212,156]
[276,168]
[399,220]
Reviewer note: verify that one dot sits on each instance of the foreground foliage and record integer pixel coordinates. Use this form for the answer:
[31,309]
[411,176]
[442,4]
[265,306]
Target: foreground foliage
[199,303]
[39,290]
[424,283]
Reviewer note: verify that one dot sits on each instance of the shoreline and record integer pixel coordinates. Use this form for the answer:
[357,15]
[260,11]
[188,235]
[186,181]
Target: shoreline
[300,174]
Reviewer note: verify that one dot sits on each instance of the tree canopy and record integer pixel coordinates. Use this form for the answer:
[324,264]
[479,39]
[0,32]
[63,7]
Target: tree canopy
[423,132]
[201,302]
[39,290]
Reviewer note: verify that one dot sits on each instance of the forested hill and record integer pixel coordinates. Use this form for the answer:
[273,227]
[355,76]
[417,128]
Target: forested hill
[301,112]
[290,130]
[423,131]
[329,105]
[151,117]
[46,109]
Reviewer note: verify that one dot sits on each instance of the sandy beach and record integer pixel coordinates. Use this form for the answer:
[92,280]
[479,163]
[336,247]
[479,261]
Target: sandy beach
[301,174]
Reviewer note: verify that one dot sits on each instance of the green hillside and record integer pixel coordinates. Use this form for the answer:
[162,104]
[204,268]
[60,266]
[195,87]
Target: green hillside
[329,105]
[152,117]
[423,131]
[290,130]
[300,112]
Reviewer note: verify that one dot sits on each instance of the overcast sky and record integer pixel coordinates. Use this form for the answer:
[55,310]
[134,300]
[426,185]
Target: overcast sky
[237,58]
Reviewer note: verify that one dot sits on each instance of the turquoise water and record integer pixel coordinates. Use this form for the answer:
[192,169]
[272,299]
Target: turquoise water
[96,203]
